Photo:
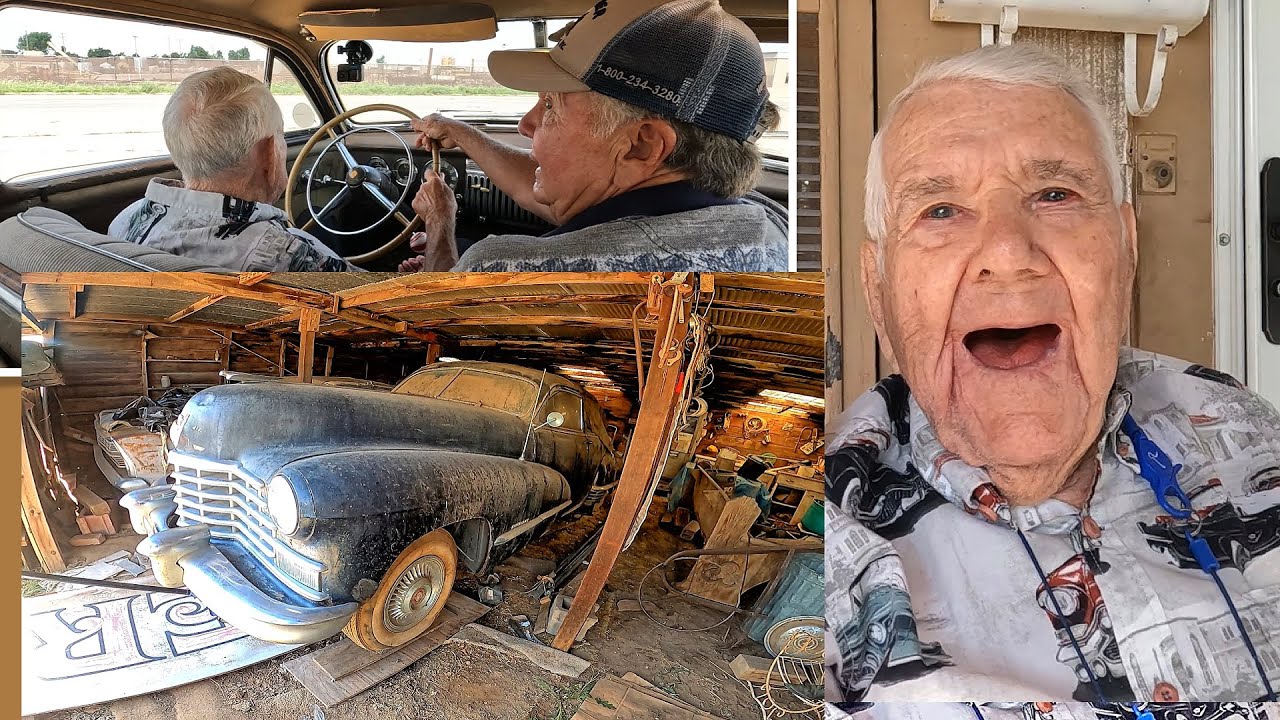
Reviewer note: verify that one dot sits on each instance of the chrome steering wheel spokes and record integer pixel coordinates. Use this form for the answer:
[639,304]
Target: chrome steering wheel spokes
[359,178]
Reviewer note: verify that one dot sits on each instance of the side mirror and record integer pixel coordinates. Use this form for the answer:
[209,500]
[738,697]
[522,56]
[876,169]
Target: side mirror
[554,419]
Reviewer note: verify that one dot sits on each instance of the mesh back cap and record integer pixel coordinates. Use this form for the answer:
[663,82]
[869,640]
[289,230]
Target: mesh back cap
[687,60]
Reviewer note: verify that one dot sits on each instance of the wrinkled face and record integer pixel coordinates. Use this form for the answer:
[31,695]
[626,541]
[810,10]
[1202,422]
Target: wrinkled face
[1007,275]
[575,168]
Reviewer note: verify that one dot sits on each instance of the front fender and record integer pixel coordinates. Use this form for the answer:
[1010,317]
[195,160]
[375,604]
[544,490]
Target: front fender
[362,508]
[453,485]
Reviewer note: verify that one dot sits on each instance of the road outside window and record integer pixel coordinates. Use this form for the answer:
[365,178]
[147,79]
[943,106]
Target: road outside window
[82,91]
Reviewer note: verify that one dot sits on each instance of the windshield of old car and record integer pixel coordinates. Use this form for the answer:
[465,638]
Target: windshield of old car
[453,79]
[507,393]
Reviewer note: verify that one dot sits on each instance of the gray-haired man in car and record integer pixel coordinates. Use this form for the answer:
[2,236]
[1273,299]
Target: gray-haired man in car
[643,156]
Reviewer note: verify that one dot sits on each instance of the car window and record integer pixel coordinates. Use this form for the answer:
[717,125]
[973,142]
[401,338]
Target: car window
[568,404]
[428,77]
[80,90]
[500,392]
[453,79]
[427,383]
[298,111]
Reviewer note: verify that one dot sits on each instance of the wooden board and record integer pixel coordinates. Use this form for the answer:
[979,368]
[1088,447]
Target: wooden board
[341,671]
[717,577]
[615,698]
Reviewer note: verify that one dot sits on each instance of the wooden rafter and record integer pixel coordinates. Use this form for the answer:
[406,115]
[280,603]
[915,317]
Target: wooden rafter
[253,278]
[422,283]
[288,317]
[648,450]
[195,307]
[420,302]
[190,282]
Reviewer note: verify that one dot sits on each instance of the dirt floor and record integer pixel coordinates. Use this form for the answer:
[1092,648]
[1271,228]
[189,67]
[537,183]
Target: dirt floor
[499,685]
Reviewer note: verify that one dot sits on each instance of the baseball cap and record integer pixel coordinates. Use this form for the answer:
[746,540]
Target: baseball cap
[688,60]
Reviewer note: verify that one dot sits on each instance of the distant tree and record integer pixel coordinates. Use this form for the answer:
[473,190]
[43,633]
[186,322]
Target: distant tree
[38,41]
[219,55]
[241,54]
[100,53]
[198,53]
[381,59]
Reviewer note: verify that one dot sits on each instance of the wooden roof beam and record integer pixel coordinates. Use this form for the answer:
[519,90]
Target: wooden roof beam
[194,307]
[208,283]
[424,283]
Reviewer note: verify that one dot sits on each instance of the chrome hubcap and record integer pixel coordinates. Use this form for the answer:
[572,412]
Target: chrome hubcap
[413,594]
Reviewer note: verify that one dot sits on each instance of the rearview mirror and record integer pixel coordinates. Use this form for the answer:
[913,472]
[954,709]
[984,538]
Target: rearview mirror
[554,419]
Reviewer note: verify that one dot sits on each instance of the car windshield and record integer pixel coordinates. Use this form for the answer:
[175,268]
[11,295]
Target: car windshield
[453,79]
[509,394]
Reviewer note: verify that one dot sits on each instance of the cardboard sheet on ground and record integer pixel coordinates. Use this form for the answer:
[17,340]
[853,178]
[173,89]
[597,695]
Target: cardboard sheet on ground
[90,646]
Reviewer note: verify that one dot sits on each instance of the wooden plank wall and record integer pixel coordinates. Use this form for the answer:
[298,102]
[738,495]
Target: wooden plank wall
[808,220]
[183,357]
[785,432]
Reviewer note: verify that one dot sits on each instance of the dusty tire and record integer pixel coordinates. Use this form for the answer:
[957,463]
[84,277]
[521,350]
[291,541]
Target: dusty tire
[412,593]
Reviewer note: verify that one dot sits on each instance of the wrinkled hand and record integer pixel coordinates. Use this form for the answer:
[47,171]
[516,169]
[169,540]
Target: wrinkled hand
[415,263]
[448,132]
[434,202]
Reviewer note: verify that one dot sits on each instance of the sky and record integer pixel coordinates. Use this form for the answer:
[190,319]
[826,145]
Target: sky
[81,32]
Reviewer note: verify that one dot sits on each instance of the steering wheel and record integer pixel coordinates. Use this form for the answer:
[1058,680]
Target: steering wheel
[358,178]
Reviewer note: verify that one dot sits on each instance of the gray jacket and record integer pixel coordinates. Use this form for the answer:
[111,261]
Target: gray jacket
[747,237]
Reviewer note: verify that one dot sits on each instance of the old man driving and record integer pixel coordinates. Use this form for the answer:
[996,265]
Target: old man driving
[1031,510]
[643,149]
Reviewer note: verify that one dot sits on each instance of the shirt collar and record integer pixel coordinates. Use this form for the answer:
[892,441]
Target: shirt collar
[174,194]
[971,489]
[674,197]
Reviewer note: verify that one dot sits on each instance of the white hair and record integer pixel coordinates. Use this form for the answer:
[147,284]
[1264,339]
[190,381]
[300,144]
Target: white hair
[721,165]
[214,119]
[1019,65]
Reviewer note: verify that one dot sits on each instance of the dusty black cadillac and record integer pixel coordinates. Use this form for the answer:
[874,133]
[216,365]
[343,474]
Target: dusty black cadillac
[297,510]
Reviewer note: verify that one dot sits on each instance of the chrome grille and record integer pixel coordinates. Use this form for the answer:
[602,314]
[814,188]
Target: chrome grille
[233,504]
[109,447]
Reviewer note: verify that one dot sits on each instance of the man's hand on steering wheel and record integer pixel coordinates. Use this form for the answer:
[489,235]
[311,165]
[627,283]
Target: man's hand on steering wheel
[437,247]
[444,130]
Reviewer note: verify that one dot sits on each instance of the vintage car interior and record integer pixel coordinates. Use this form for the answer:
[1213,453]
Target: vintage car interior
[326,52]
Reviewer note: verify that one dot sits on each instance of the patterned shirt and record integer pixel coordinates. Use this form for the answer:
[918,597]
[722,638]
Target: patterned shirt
[933,595]
[1058,711]
[222,231]
[647,234]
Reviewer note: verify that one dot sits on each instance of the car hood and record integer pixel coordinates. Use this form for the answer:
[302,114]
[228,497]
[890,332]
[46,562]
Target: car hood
[236,423]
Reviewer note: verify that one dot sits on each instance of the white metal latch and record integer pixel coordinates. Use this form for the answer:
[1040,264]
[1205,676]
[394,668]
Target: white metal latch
[1008,27]
[1167,20]
[1165,40]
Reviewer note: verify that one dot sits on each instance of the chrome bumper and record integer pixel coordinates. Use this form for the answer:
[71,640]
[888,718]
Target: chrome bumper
[186,556]
[113,475]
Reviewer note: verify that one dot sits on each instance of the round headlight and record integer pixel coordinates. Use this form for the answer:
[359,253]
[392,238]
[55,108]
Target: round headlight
[282,504]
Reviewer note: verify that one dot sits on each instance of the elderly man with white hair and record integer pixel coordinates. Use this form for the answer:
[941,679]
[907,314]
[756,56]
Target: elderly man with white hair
[225,133]
[643,154]
[1031,510]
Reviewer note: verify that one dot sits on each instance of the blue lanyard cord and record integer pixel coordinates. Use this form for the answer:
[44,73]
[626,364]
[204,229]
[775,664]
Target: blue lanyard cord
[1066,624]
[976,711]
[1209,563]
[1140,714]
[1160,472]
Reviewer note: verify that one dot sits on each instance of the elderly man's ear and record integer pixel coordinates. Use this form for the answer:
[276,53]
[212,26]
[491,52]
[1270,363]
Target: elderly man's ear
[646,146]
[270,168]
[1130,222]
[872,288]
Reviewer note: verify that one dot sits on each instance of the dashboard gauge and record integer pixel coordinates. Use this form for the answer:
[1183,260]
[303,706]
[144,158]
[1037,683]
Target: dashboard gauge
[450,173]
[378,163]
[404,171]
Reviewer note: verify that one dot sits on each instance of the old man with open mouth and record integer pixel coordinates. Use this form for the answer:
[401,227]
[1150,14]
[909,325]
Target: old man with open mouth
[1031,510]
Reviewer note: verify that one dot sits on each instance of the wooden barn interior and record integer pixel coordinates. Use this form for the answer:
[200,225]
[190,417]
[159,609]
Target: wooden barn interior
[697,373]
